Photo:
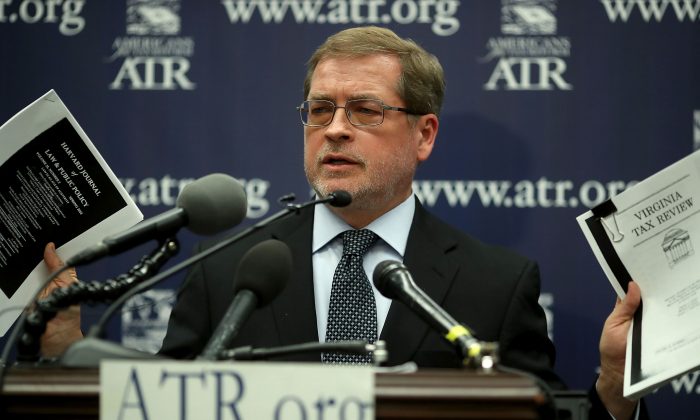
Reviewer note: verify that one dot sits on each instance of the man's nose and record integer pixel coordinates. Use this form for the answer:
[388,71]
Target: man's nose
[340,127]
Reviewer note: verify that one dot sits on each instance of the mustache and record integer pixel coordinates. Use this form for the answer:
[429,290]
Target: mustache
[334,148]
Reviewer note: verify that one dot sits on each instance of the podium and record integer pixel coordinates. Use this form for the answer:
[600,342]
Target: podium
[58,393]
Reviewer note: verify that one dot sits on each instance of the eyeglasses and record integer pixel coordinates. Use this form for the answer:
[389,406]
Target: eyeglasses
[360,112]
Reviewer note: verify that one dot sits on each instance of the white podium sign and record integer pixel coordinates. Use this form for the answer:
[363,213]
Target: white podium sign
[149,390]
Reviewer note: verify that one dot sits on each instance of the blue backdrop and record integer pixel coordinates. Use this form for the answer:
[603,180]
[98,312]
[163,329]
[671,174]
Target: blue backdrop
[551,107]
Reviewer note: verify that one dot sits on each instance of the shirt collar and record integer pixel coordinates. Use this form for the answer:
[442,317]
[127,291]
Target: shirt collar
[393,227]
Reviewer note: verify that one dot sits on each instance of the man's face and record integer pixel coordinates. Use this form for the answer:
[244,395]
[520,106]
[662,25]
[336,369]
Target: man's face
[374,164]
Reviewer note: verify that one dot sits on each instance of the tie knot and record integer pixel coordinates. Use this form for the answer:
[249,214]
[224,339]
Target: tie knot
[357,242]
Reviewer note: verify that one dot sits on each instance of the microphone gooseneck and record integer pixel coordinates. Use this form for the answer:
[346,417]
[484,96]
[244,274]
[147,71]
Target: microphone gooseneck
[376,350]
[93,292]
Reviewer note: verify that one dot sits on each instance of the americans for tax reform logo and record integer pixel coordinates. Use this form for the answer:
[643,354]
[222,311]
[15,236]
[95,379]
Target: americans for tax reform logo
[529,55]
[145,319]
[152,55]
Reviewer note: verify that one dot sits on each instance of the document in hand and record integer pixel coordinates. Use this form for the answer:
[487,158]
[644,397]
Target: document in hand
[55,188]
[648,234]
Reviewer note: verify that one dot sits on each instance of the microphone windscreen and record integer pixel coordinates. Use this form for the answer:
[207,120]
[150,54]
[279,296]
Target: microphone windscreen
[264,270]
[213,203]
[382,278]
[340,198]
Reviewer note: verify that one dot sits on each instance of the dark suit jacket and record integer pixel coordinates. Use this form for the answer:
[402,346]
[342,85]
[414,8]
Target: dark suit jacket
[489,289]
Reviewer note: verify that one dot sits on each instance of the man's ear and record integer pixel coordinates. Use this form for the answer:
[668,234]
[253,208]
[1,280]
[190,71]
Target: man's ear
[426,130]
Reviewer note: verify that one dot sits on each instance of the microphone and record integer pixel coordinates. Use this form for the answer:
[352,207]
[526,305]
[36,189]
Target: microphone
[209,205]
[290,209]
[340,198]
[394,281]
[261,275]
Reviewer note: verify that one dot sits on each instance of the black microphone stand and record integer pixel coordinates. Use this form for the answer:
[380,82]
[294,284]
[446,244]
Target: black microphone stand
[89,351]
[28,347]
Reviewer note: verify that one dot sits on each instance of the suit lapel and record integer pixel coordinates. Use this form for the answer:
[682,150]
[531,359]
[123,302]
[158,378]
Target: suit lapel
[294,310]
[426,258]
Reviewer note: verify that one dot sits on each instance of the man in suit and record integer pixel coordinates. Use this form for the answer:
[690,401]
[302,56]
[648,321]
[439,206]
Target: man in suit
[370,116]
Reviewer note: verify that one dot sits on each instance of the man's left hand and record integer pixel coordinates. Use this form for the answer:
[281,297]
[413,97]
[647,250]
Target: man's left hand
[64,329]
[613,345]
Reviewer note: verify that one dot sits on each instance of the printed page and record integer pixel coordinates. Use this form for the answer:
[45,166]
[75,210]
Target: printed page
[56,188]
[650,237]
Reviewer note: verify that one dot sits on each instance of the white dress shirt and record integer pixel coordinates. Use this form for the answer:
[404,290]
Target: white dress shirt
[327,248]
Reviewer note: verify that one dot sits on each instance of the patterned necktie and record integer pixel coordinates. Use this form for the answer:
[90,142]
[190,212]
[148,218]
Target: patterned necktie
[352,314]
